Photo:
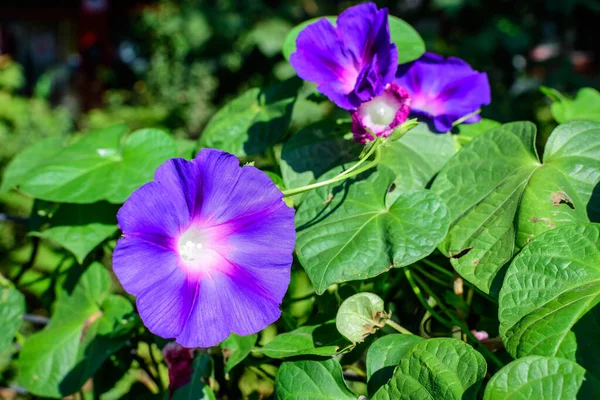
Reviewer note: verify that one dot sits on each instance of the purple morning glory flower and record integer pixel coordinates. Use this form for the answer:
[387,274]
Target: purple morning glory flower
[380,115]
[352,62]
[444,89]
[206,248]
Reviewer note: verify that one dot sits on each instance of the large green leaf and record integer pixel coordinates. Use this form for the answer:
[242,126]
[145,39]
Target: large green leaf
[500,196]
[360,315]
[346,231]
[100,166]
[585,105]
[548,304]
[12,308]
[409,43]
[87,326]
[313,340]
[80,228]
[436,369]
[538,377]
[253,121]
[236,348]
[28,160]
[311,380]
[383,356]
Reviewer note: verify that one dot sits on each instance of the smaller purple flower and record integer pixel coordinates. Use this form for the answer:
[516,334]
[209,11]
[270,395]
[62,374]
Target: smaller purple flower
[352,62]
[380,115]
[206,248]
[444,89]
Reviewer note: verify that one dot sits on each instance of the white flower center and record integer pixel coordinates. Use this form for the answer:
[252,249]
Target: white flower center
[380,111]
[190,246]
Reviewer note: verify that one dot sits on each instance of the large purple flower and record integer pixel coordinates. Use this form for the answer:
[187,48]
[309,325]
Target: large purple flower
[444,89]
[351,62]
[207,249]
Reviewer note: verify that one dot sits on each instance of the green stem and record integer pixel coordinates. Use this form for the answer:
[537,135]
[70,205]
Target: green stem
[466,117]
[459,324]
[161,387]
[342,176]
[398,327]
[432,277]
[437,267]
[423,301]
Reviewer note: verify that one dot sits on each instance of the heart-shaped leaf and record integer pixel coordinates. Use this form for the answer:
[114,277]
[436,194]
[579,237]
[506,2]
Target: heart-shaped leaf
[408,42]
[347,232]
[548,304]
[538,377]
[383,356]
[500,196]
[253,121]
[436,369]
[98,167]
[300,380]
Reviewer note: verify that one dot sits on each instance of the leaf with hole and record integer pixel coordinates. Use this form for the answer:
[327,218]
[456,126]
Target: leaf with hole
[501,196]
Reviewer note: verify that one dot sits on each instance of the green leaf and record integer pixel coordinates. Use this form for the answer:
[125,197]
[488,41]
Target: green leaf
[253,121]
[537,377]
[436,369]
[80,228]
[548,305]
[98,167]
[500,196]
[417,157]
[310,340]
[28,160]
[585,105]
[12,308]
[383,356]
[466,132]
[88,325]
[314,150]
[360,315]
[346,231]
[198,388]
[304,380]
[236,348]
[409,43]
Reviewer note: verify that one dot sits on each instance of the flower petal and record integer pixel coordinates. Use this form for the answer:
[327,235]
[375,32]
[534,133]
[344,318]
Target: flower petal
[164,307]
[140,264]
[220,198]
[224,304]
[159,209]
[320,57]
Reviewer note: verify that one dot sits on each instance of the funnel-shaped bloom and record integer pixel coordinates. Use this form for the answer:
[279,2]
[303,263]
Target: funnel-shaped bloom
[352,62]
[207,249]
[444,89]
[380,115]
